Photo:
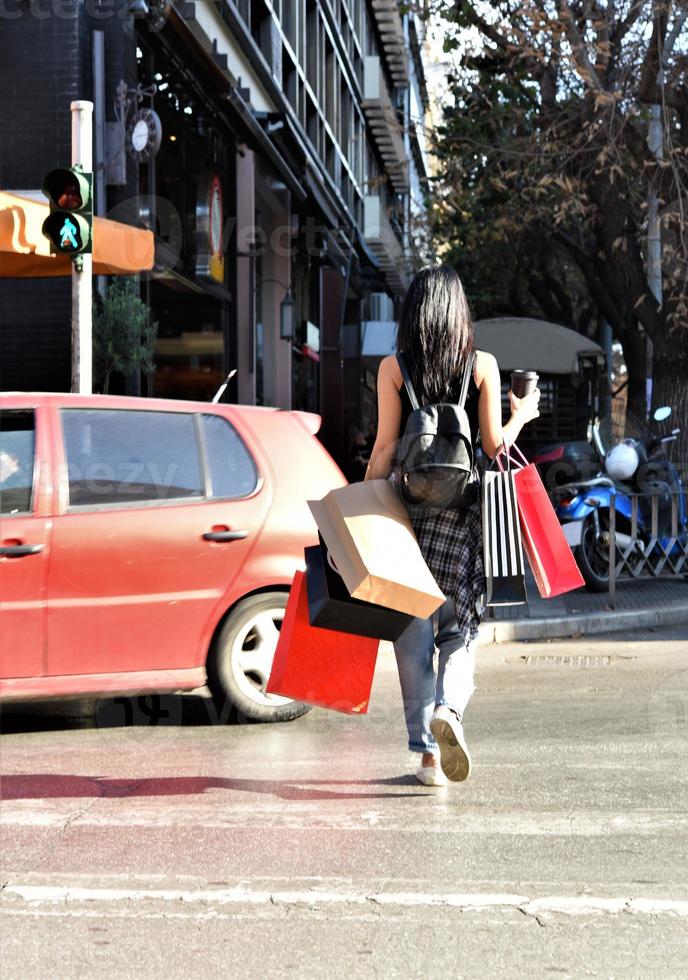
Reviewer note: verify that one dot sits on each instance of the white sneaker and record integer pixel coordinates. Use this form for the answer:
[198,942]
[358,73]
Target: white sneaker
[431,776]
[448,732]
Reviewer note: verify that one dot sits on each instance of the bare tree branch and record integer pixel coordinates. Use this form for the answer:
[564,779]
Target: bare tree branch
[652,62]
[623,26]
[580,54]
[468,9]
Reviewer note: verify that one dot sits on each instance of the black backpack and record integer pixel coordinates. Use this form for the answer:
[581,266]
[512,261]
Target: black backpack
[435,463]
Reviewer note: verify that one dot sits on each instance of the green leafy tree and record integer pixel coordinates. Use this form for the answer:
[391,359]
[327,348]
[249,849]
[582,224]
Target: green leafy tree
[123,333]
[545,173]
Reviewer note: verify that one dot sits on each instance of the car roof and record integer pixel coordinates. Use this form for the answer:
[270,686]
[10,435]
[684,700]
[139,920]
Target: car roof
[259,414]
[130,401]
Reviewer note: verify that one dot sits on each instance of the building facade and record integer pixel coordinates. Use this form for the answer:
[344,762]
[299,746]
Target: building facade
[276,148]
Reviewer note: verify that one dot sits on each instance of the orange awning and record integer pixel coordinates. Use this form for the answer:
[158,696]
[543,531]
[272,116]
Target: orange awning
[118,249]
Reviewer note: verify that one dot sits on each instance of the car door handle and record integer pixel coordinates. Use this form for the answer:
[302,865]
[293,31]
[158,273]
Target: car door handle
[225,535]
[20,550]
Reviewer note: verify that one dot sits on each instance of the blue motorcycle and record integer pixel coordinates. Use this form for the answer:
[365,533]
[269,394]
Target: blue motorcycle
[631,467]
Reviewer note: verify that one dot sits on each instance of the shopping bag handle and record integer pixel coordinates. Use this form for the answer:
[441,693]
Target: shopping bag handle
[331,562]
[519,464]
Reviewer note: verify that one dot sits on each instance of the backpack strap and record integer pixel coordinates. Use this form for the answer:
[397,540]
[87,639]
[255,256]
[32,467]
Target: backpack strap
[408,384]
[468,374]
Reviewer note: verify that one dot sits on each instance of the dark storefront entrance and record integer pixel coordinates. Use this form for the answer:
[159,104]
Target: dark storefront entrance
[190,190]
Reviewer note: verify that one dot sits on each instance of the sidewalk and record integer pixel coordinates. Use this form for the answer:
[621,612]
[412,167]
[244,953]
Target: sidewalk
[639,604]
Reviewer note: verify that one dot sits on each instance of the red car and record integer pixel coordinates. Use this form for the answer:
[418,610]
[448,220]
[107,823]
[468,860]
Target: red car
[149,545]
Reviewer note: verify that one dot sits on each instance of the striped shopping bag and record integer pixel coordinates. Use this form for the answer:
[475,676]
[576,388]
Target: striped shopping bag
[502,546]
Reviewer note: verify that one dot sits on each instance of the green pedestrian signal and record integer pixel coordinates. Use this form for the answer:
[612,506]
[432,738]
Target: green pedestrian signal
[69,226]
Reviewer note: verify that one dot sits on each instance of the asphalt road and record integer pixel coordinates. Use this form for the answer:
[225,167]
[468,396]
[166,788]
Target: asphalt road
[182,847]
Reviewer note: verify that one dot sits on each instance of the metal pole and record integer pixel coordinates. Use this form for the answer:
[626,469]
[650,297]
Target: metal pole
[612,552]
[655,142]
[606,339]
[82,271]
[99,191]
[98,45]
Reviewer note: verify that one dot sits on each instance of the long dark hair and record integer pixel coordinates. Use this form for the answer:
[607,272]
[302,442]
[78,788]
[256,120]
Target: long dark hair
[435,331]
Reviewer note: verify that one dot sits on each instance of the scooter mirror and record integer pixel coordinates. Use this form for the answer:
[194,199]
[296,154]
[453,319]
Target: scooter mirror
[662,413]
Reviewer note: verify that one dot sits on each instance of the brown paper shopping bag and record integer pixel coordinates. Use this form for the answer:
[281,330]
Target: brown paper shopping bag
[368,533]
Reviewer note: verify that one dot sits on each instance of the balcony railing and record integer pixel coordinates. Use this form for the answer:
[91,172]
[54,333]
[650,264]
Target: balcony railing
[391,30]
[384,243]
[384,124]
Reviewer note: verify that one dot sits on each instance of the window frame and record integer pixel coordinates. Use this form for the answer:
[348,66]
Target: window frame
[33,499]
[203,465]
[207,475]
[127,504]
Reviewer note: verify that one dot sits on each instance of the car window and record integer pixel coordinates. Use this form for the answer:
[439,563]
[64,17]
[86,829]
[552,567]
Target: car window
[17,452]
[118,456]
[232,470]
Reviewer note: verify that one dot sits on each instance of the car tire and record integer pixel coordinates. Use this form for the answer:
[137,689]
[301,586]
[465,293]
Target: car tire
[240,661]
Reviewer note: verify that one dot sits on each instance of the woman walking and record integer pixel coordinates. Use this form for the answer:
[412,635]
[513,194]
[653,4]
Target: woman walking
[436,338]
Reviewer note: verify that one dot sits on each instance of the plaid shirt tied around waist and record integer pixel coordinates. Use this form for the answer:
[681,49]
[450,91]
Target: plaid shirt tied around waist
[451,542]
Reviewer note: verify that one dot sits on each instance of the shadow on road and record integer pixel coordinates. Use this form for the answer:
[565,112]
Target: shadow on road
[42,786]
[123,711]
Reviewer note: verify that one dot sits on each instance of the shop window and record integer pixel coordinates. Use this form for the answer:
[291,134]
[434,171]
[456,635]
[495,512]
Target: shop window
[17,456]
[190,347]
[188,296]
[123,457]
[232,470]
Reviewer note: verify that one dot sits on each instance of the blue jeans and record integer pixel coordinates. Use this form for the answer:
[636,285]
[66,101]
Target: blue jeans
[420,689]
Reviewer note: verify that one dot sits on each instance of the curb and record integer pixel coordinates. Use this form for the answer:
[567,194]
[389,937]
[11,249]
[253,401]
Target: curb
[568,627]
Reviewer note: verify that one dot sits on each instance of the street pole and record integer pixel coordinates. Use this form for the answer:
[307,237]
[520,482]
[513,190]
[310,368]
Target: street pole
[655,142]
[99,192]
[82,265]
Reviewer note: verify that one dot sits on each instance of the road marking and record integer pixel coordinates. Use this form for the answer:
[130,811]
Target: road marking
[570,905]
[310,815]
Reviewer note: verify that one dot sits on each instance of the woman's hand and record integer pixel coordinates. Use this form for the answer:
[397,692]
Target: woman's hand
[526,408]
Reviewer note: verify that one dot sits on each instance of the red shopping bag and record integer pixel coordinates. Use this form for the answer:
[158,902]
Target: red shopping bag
[549,553]
[320,666]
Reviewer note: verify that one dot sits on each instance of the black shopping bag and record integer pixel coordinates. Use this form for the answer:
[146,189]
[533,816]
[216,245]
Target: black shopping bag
[331,607]
[502,546]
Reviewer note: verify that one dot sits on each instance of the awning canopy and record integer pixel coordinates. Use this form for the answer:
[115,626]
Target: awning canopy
[534,345]
[118,249]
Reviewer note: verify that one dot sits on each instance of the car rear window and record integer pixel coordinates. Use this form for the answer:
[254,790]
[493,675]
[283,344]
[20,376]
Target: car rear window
[17,442]
[230,465]
[120,456]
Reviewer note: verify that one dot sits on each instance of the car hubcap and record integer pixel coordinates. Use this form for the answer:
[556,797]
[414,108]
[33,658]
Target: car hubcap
[252,654]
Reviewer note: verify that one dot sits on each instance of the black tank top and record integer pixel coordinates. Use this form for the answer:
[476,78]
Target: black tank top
[471,402]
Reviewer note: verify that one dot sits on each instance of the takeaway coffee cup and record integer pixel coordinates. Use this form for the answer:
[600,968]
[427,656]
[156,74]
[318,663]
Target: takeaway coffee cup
[523,382]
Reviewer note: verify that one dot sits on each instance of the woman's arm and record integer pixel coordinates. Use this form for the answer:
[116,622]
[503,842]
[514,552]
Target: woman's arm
[388,420]
[493,434]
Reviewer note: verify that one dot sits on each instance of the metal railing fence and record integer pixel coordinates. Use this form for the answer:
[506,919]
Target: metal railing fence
[657,542]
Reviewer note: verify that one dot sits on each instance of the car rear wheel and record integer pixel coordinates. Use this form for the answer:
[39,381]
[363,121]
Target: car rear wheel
[241,659]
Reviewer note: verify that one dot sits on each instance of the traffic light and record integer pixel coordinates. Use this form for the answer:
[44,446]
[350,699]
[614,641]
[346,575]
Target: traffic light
[69,226]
